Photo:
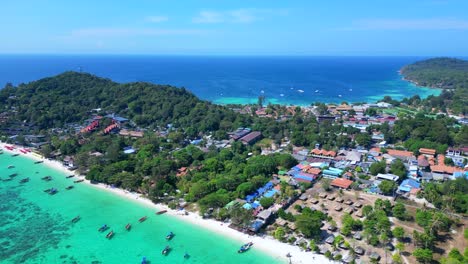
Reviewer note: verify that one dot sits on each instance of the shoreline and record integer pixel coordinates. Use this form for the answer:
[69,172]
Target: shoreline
[266,244]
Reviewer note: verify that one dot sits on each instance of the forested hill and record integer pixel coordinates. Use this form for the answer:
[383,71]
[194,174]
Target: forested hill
[69,97]
[445,73]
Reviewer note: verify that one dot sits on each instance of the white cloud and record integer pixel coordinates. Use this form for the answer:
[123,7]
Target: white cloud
[409,24]
[244,15]
[157,19]
[209,17]
[125,32]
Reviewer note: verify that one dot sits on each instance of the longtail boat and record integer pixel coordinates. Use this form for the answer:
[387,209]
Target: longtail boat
[141,220]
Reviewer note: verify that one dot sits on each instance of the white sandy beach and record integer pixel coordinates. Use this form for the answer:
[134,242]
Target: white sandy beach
[266,244]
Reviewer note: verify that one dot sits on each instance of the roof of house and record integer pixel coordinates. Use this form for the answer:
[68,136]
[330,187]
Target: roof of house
[341,183]
[422,161]
[444,169]
[251,136]
[427,151]
[400,153]
[315,171]
[388,176]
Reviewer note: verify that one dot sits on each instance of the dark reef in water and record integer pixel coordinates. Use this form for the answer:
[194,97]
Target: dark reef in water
[20,243]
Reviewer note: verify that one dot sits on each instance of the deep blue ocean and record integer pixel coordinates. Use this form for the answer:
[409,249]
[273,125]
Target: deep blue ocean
[284,80]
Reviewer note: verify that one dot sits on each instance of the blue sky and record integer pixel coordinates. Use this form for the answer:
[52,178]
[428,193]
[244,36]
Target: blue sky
[227,27]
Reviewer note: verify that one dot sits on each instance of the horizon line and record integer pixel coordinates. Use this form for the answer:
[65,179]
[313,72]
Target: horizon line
[225,55]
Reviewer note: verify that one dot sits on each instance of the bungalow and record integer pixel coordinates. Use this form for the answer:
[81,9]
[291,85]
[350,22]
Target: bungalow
[332,173]
[427,152]
[407,185]
[401,154]
[341,183]
[131,133]
[322,153]
[330,239]
[422,162]
[359,250]
[387,176]
[264,215]
[251,138]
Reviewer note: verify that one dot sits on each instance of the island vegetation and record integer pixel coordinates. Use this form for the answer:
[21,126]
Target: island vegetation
[167,144]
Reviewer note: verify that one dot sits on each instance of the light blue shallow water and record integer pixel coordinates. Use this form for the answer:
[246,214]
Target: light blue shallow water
[237,79]
[36,227]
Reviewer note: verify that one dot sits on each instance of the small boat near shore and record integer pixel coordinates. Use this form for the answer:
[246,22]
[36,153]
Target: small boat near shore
[161,212]
[14,155]
[186,255]
[103,228]
[110,234]
[70,187]
[78,181]
[13,175]
[76,219]
[47,178]
[166,250]
[38,162]
[141,220]
[10,166]
[128,227]
[169,236]
[25,180]
[245,247]
[70,176]
[51,191]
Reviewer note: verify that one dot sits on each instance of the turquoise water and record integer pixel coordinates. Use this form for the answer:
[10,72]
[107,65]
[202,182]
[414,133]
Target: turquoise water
[36,227]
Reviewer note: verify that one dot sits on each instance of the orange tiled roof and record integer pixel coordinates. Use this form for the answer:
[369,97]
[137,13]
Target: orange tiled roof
[427,151]
[342,183]
[441,168]
[401,153]
[315,171]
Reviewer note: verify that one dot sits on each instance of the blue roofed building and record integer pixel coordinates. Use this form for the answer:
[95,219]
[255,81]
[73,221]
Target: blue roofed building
[407,185]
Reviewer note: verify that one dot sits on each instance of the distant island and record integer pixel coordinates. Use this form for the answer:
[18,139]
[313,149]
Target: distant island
[449,74]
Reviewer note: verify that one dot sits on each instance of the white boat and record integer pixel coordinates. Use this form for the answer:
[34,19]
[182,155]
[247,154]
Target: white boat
[281,95]
[301,91]
[316,91]
[339,95]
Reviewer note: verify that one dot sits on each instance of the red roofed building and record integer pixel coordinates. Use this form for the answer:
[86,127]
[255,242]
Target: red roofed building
[315,171]
[427,152]
[341,183]
[322,153]
[402,154]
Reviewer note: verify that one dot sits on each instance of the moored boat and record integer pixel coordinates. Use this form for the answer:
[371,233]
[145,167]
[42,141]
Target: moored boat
[245,247]
[51,191]
[78,181]
[128,227]
[161,212]
[186,255]
[13,175]
[47,178]
[70,187]
[144,261]
[14,155]
[141,220]
[24,180]
[10,166]
[76,219]
[169,236]
[110,234]
[39,161]
[70,176]
[166,250]
[103,228]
